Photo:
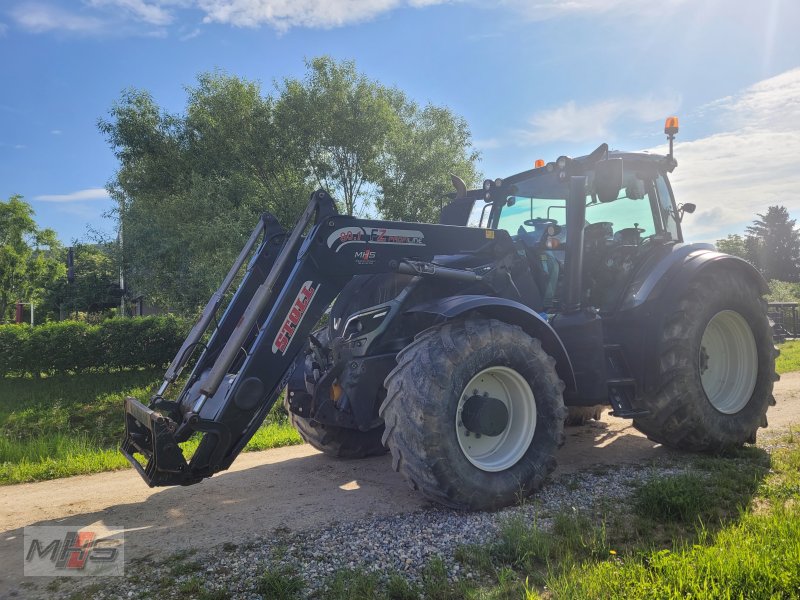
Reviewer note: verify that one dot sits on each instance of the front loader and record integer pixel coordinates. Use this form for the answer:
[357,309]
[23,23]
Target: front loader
[458,346]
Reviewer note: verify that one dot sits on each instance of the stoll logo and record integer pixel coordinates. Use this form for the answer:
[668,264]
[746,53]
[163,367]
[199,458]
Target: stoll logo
[72,551]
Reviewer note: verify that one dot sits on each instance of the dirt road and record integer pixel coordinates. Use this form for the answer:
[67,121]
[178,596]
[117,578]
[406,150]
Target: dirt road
[295,488]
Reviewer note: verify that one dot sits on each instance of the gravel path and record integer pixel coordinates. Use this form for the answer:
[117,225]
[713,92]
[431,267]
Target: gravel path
[402,543]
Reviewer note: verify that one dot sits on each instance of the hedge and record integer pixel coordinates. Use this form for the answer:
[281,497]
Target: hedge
[74,346]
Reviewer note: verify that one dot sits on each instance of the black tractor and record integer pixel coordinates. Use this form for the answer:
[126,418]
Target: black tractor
[461,347]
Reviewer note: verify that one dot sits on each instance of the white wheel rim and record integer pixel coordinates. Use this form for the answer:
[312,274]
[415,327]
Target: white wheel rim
[503,451]
[728,362]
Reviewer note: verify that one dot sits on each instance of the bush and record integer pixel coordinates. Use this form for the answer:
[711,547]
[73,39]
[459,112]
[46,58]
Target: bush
[74,346]
[13,343]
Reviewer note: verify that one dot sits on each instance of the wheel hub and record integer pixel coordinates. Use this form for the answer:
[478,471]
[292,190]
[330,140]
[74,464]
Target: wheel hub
[484,415]
[728,362]
[495,419]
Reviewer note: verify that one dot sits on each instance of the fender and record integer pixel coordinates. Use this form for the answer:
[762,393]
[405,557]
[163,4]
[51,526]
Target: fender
[647,284]
[666,282]
[511,312]
[661,291]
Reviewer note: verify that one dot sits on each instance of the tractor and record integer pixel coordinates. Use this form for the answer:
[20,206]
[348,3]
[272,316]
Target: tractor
[462,347]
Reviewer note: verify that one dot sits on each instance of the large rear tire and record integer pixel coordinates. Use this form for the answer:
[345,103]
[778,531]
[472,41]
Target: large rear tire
[445,373]
[716,367]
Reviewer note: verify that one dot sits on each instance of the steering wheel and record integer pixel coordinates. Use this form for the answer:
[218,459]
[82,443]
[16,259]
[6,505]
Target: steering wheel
[539,221]
[629,236]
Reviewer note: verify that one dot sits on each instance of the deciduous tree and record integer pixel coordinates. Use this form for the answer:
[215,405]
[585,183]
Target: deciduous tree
[30,258]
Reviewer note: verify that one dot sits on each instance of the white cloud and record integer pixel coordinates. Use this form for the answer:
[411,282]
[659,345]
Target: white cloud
[285,14]
[79,196]
[3,29]
[106,16]
[573,123]
[152,13]
[751,163]
[56,132]
[40,18]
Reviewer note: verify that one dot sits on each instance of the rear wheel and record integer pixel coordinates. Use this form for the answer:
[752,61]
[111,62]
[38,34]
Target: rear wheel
[474,414]
[717,368]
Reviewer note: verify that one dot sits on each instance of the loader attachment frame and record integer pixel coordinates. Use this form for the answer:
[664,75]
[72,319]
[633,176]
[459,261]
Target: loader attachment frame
[289,283]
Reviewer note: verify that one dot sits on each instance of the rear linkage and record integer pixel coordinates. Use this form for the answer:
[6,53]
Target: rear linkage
[288,284]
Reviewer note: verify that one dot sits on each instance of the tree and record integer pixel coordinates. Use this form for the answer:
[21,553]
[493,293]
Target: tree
[95,285]
[423,149]
[191,187]
[341,121]
[774,244]
[734,245]
[30,258]
[369,145]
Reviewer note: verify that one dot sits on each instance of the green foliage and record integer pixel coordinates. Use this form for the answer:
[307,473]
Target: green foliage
[95,287]
[370,144]
[789,358]
[74,346]
[783,291]
[340,120]
[423,148]
[191,186]
[735,245]
[31,259]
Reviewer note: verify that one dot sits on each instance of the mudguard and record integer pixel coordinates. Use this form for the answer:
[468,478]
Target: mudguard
[511,312]
[649,299]
[668,278]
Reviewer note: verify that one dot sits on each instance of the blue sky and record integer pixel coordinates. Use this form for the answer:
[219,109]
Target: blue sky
[534,79]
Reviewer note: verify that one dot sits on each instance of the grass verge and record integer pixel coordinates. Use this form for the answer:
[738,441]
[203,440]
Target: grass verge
[789,359]
[72,424]
[725,528]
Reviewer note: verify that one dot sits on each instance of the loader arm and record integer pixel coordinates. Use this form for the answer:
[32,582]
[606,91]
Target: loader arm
[289,283]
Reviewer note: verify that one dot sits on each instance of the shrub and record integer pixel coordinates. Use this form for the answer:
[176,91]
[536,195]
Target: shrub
[74,346]
[13,343]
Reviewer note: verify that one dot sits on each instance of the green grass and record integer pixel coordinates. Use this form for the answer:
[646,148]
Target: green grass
[757,557]
[789,359]
[72,424]
[734,532]
[280,584]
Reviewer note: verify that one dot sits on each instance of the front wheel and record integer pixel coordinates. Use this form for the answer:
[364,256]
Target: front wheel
[474,414]
[717,368]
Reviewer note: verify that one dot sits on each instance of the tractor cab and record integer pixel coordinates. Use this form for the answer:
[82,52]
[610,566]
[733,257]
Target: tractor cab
[629,211]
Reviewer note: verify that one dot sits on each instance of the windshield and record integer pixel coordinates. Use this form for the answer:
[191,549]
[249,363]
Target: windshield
[644,204]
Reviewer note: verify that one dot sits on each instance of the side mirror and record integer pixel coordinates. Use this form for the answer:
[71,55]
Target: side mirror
[608,179]
[688,207]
